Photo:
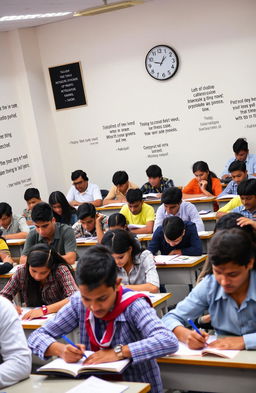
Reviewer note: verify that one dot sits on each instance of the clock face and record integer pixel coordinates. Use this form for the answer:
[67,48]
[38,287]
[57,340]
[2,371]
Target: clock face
[162,62]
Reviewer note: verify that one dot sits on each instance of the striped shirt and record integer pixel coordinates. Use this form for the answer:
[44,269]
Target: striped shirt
[138,327]
[164,185]
[57,287]
[246,213]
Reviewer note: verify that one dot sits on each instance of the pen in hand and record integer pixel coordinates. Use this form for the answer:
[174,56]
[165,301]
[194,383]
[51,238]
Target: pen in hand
[194,326]
[73,344]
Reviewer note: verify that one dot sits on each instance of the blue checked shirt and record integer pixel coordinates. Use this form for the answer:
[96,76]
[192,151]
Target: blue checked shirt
[232,187]
[138,326]
[246,213]
[250,164]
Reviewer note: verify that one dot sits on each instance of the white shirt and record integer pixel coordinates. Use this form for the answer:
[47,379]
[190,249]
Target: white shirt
[187,212]
[92,193]
[14,350]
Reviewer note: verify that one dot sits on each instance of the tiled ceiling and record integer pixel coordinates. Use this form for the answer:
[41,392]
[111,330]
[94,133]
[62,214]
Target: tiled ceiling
[25,7]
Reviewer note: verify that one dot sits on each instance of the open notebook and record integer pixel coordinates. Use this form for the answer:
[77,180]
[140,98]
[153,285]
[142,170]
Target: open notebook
[77,370]
[184,350]
[96,385]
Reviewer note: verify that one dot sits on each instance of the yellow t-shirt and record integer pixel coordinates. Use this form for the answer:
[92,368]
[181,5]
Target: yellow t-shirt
[3,245]
[235,202]
[147,214]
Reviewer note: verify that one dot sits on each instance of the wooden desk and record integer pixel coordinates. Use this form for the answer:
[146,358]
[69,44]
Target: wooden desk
[108,210]
[205,237]
[44,384]
[223,201]
[209,221]
[183,273]
[210,373]
[15,246]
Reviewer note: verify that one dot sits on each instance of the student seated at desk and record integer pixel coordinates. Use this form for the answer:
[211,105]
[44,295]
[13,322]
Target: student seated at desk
[62,211]
[172,205]
[238,173]
[176,236]
[118,191]
[90,223]
[232,204]
[32,197]
[138,212]
[59,236]
[228,293]
[12,226]
[240,148]
[114,321]
[15,355]
[135,267]
[46,281]
[156,184]
[115,221]
[5,256]
[247,192]
[83,191]
[205,182]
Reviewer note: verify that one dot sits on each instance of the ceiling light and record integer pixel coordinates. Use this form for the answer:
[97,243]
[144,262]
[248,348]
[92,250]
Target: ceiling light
[33,16]
[108,7]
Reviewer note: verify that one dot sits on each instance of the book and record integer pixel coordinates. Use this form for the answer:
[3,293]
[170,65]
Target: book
[184,350]
[151,196]
[96,385]
[78,370]
[174,259]
[227,196]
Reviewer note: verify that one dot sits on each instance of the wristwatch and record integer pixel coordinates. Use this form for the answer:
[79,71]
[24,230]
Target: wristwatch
[44,309]
[118,351]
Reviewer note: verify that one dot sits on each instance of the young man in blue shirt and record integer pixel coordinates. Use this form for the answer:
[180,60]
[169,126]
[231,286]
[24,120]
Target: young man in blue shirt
[247,192]
[238,173]
[176,236]
[228,292]
[115,322]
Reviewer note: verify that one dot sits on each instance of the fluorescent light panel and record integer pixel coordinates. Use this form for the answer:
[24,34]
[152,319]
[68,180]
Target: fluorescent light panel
[33,16]
[108,7]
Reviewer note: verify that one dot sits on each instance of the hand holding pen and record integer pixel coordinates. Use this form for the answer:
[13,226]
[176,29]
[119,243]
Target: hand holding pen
[73,352]
[196,339]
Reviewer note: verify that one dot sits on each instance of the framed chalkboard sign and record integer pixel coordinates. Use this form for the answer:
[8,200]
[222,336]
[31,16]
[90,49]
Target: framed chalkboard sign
[67,85]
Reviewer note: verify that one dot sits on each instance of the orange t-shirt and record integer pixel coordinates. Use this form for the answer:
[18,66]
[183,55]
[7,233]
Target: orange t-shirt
[193,187]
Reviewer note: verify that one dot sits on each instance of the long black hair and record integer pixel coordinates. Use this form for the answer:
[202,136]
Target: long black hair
[203,167]
[119,241]
[67,210]
[40,255]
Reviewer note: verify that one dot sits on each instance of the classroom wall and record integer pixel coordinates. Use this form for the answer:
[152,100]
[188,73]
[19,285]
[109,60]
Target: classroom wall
[197,115]
[215,42]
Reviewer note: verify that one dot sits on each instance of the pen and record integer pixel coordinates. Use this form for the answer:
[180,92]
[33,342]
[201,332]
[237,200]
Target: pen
[71,343]
[194,326]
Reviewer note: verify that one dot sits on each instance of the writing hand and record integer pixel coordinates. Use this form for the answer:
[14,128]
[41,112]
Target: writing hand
[71,354]
[195,340]
[102,356]
[228,343]
[32,314]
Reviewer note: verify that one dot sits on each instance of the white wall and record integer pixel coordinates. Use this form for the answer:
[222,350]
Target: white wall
[215,41]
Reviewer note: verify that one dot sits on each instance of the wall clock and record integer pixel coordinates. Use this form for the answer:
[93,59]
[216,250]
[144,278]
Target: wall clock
[162,62]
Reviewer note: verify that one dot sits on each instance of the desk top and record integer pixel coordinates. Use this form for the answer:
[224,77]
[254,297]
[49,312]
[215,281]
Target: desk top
[209,216]
[193,261]
[156,299]
[15,242]
[44,384]
[244,359]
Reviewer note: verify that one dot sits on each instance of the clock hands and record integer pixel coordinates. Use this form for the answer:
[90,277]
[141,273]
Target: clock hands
[160,62]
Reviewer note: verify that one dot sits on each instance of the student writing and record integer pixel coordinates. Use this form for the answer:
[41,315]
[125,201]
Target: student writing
[135,266]
[228,294]
[45,280]
[176,236]
[114,321]
[62,211]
